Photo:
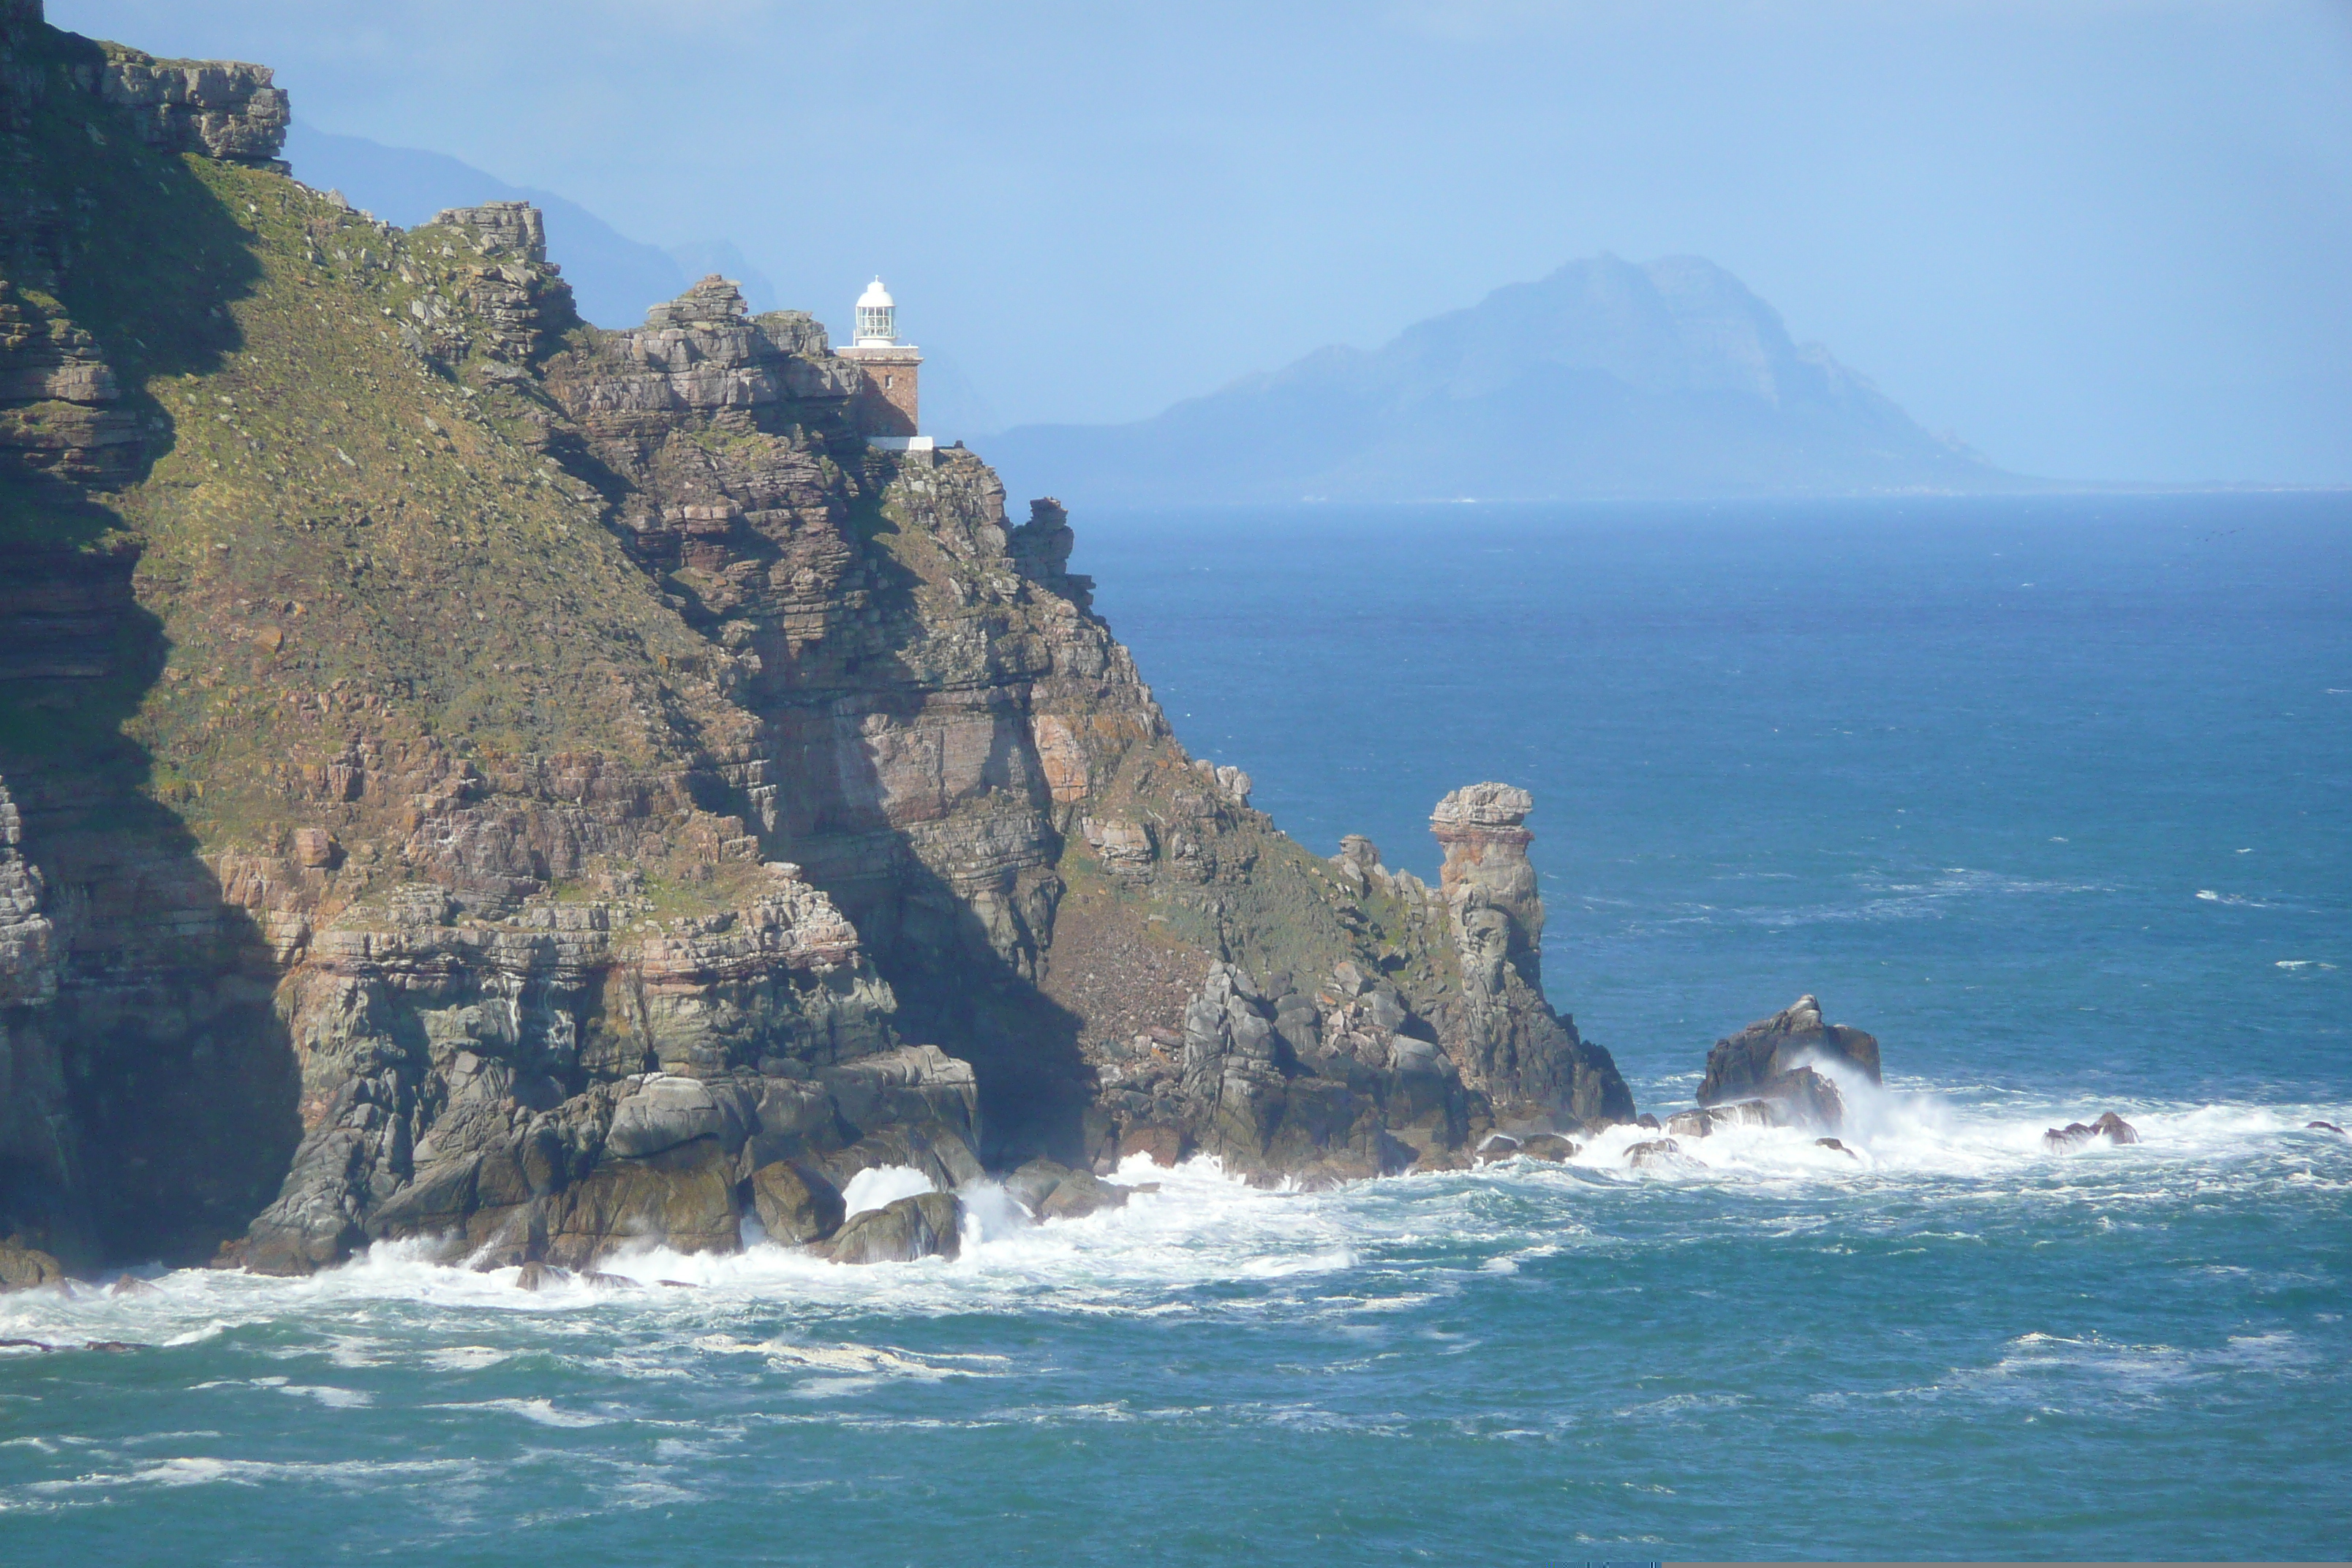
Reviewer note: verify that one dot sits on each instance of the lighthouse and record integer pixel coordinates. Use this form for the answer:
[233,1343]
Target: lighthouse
[884,408]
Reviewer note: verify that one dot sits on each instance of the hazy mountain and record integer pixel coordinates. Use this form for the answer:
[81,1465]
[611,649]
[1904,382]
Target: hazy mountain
[613,277]
[1607,378]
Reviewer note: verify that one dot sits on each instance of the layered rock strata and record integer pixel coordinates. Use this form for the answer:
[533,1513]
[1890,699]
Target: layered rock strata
[61,407]
[550,790]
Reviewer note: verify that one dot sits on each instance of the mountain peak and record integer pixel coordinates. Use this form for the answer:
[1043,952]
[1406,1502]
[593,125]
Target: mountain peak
[1668,377]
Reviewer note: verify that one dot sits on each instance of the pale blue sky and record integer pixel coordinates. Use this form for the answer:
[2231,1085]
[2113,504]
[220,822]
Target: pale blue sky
[2104,239]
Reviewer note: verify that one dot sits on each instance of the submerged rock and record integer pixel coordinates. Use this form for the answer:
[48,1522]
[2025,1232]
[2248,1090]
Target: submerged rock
[2115,1129]
[1707,1120]
[926,1226]
[1082,1194]
[1660,1154]
[1053,1190]
[2074,1134]
[1804,1098]
[539,1275]
[1034,1183]
[1834,1143]
[2322,1127]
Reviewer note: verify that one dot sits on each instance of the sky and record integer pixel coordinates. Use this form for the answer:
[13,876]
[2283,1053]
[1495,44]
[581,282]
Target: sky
[2104,239]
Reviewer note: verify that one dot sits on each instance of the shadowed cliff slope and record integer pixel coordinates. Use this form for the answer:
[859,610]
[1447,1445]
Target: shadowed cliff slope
[475,775]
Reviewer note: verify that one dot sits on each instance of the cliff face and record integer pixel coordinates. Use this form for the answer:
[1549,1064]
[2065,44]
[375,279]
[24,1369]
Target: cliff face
[480,777]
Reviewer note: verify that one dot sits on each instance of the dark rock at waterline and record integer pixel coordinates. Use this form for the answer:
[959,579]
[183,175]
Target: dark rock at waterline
[23,1267]
[539,1275]
[1502,1146]
[131,1285]
[1758,1062]
[2074,1134]
[923,1226]
[1708,1120]
[935,1148]
[794,1205]
[1034,1183]
[1800,1097]
[1804,1098]
[2322,1127]
[1082,1194]
[1648,1123]
[1164,1144]
[1660,1154]
[1053,1190]
[1834,1143]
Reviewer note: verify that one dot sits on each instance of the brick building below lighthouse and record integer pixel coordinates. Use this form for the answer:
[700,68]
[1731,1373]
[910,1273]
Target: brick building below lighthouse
[884,408]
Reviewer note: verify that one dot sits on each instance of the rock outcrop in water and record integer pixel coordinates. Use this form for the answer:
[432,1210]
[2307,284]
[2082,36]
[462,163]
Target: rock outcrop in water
[1768,1061]
[2114,1129]
[479,777]
[926,1226]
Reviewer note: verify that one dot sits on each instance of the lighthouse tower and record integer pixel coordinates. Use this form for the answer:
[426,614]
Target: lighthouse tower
[883,407]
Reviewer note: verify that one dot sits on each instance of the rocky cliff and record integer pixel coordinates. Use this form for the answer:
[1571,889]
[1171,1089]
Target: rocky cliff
[480,777]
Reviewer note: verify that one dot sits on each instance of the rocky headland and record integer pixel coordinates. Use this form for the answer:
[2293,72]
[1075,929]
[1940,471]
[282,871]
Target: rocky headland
[466,774]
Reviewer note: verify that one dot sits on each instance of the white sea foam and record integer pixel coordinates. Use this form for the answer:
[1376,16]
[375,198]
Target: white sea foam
[540,1412]
[878,1186]
[331,1397]
[197,1471]
[1979,1151]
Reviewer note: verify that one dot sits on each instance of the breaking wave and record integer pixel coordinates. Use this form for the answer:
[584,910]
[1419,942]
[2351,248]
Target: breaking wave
[1902,1143]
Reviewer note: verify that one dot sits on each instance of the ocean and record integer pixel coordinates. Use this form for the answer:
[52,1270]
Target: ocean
[2051,795]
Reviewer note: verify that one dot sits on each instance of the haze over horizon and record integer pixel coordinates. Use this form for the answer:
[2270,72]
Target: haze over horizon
[2097,241]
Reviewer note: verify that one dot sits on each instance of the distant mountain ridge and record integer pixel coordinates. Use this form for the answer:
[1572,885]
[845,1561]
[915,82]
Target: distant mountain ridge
[614,279]
[1607,378]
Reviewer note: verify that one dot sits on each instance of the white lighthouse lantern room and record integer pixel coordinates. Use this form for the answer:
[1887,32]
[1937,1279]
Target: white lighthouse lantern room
[884,406]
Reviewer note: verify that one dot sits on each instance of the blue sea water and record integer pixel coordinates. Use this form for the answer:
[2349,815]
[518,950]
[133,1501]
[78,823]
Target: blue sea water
[2052,795]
